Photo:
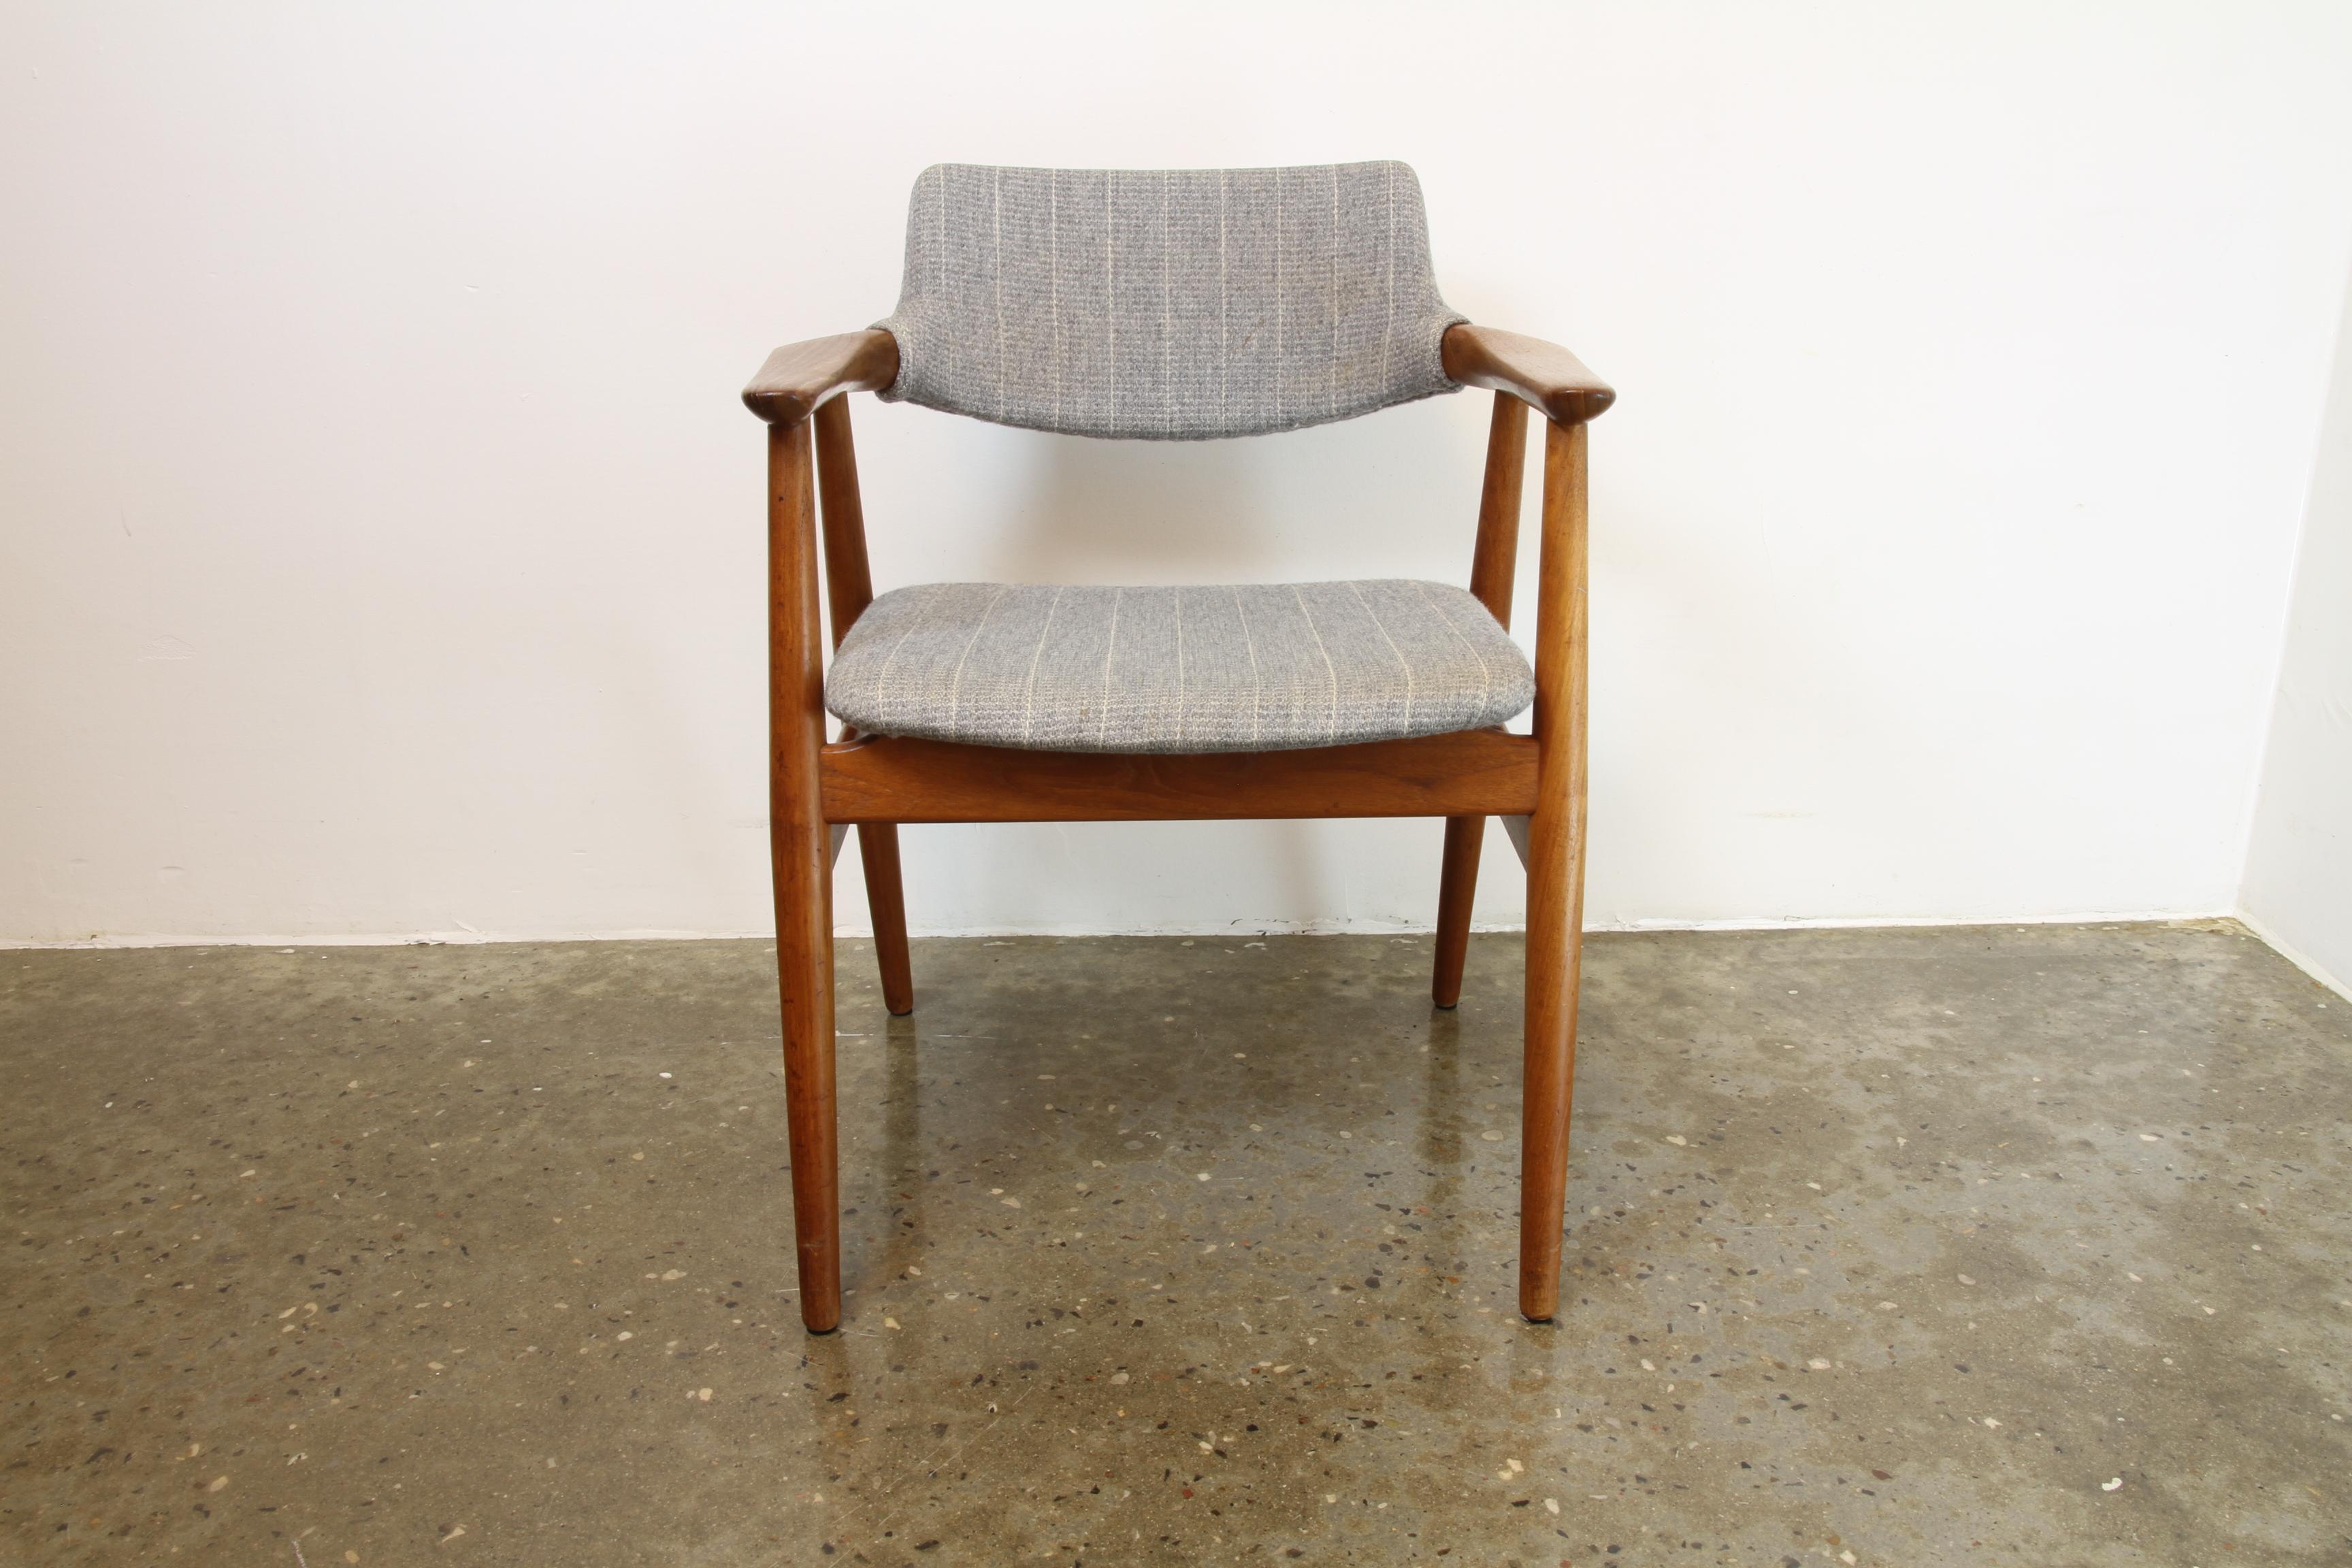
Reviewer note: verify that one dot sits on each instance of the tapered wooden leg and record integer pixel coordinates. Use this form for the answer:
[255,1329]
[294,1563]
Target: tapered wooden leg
[849,585]
[1555,873]
[1492,569]
[1457,884]
[801,846]
[877,845]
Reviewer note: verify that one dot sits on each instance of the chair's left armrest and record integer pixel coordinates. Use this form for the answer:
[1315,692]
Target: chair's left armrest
[1536,371]
[799,377]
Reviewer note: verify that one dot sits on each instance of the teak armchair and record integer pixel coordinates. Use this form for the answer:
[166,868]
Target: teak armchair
[1171,305]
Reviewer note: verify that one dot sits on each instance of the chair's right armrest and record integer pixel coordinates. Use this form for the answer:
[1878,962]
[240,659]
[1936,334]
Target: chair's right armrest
[799,377]
[1529,369]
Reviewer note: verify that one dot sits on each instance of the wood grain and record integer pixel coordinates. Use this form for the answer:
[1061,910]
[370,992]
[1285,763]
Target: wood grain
[1493,567]
[849,588]
[1457,890]
[1555,872]
[799,377]
[885,901]
[890,779]
[801,849]
[849,579]
[1545,375]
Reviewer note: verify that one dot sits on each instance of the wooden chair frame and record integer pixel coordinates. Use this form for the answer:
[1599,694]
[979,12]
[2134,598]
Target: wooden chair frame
[818,790]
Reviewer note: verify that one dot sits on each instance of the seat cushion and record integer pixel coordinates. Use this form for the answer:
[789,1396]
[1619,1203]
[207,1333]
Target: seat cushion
[1257,669]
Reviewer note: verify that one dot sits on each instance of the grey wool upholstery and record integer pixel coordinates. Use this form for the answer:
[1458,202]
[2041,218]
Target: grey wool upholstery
[1168,304]
[1258,668]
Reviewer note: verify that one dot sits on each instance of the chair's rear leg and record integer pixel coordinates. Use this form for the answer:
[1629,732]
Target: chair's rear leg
[850,582]
[885,897]
[1457,885]
[1492,569]
[801,848]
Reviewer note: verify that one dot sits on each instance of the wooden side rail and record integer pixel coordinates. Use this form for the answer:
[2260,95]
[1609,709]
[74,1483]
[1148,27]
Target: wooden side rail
[1474,773]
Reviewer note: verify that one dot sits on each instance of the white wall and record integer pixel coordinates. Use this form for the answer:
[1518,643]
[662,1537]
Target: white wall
[383,536]
[2298,888]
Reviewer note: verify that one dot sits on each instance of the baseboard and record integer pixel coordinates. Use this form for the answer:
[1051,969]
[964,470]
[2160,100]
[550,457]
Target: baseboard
[2294,954]
[468,936]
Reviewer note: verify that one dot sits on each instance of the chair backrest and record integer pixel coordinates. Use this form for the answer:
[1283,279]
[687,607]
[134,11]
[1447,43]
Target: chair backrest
[1177,304]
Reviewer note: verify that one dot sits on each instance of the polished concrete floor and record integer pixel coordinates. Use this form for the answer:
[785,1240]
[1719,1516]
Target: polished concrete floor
[2017,1244]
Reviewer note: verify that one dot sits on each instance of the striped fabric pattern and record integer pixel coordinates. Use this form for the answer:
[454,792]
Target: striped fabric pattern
[1168,304]
[1256,668]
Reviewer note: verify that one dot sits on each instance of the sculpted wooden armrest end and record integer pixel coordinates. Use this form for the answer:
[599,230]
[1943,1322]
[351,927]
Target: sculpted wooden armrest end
[799,377]
[1536,371]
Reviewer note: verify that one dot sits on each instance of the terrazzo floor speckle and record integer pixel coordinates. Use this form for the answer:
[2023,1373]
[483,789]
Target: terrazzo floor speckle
[2020,1245]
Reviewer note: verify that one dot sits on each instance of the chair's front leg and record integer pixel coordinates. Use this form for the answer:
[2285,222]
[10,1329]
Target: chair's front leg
[1555,855]
[801,845]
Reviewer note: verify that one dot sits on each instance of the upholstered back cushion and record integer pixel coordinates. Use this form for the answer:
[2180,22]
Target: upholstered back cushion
[1179,304]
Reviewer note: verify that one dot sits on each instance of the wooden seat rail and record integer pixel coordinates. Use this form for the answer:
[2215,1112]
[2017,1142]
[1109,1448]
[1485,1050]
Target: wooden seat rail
[1474,772]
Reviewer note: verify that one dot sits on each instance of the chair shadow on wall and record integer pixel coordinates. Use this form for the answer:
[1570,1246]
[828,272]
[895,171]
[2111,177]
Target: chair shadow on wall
[1166,512]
